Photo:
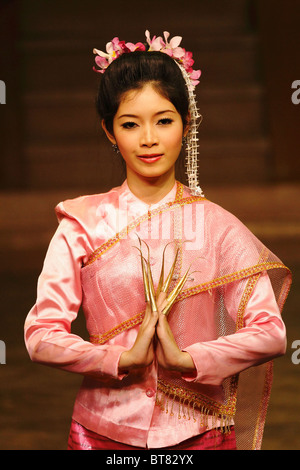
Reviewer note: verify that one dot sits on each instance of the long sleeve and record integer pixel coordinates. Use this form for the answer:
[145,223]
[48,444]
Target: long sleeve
[86,222]
[48,334]
[262,338]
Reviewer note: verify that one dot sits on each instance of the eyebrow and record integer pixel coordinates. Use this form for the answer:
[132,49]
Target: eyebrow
[156,114]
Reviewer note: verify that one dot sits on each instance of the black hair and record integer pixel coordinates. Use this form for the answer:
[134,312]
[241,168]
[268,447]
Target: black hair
[131,71]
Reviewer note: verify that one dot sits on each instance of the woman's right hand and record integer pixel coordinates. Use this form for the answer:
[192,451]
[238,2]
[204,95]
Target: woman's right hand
[142,352]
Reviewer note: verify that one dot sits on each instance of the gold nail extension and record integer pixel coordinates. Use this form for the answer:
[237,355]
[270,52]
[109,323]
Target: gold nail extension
[175,292]
[145,277]
[166,285]
[146,282]
[162,274]
[151,289]
[150,282]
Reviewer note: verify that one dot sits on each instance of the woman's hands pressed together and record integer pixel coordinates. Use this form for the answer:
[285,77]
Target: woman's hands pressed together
[156,340]
[142,352]
[168,354]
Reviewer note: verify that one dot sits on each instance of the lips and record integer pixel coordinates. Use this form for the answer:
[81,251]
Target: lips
[150,158]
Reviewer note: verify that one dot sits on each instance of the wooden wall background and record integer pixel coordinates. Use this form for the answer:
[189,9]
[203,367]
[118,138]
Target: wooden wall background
[247,51]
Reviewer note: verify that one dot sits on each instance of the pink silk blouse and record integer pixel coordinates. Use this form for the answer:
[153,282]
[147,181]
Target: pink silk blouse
[119,406]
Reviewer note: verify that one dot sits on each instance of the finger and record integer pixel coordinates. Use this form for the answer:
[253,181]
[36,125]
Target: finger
[163,322]
[150,318]
[161,300]
[161,296]
[148,308]
[161,311]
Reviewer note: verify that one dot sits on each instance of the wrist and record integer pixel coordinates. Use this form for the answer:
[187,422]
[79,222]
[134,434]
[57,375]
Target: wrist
[186,363]
[124,363]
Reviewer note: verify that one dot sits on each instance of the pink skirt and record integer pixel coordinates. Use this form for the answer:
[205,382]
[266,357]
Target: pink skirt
[81,438]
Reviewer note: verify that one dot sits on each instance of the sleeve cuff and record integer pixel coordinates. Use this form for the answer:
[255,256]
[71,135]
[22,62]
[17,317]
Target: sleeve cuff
[110,362]
[190,376]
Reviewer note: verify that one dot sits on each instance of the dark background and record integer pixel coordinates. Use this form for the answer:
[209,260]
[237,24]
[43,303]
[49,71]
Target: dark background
[52,148]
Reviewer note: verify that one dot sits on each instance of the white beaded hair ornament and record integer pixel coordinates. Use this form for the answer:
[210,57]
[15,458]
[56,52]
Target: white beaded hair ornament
[184,60]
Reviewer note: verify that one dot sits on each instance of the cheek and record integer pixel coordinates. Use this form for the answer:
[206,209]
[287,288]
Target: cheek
[175,140]
[125,143]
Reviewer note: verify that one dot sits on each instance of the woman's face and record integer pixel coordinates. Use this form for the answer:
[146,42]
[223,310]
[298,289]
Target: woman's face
[148,131]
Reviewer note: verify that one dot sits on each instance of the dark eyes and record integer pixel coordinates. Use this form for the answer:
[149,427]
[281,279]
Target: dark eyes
[165,121]
[129,125]
[132,124]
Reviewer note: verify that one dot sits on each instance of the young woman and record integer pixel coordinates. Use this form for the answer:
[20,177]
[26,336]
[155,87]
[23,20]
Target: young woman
[180,299]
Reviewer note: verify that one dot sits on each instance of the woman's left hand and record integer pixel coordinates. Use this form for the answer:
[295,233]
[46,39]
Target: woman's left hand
[168,353]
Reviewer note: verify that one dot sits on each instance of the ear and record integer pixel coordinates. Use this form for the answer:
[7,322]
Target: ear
[187,126]
[108,134]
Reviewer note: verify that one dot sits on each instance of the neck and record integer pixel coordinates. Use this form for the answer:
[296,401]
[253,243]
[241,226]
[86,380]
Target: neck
[151,190]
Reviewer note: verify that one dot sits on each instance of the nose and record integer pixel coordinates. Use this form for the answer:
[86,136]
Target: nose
[148,136]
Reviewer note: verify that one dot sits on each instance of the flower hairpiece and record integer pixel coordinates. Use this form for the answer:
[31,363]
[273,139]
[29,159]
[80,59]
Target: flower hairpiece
[171,47]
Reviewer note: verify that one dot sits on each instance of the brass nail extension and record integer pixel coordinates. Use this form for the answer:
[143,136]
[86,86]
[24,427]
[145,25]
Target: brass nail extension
[166,285]
[175,292]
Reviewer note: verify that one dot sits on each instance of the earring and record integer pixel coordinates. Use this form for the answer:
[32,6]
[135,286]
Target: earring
[115,148]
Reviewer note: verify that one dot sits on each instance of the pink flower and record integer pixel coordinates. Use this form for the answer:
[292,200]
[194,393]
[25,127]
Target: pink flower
[187,60]
[171,47]
[139,46]
[102,62]
[115,48]
[155,44]
[194,75]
